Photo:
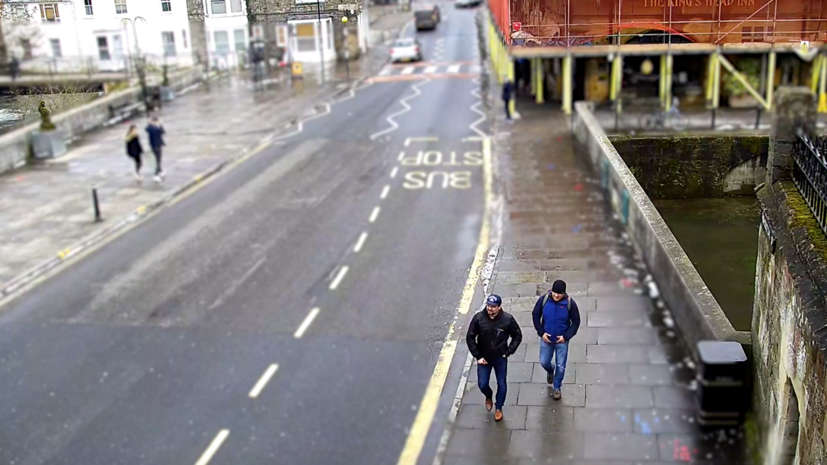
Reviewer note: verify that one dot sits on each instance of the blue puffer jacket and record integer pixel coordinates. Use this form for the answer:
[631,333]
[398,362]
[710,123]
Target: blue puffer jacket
[556,318]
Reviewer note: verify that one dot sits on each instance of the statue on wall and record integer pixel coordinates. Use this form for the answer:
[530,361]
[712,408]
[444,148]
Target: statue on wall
[45,117]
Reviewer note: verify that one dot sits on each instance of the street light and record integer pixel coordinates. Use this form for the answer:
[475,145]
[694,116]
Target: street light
[321,42]
[139,61]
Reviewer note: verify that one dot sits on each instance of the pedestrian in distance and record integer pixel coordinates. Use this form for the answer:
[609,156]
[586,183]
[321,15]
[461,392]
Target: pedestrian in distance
[487,340]
[156,140]
[14,68]
[508,94]
[134,150]
[556,319]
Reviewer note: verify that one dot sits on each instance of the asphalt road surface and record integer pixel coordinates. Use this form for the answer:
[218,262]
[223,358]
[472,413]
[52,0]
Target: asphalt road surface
[290,311]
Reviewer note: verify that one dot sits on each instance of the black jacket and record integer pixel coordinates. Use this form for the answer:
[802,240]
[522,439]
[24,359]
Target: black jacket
[133,147]
[488,338]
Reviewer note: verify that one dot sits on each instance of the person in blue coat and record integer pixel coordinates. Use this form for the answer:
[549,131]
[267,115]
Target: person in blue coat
[556,319]
[156,140]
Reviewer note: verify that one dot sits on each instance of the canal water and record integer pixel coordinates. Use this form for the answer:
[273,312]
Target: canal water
[720,236]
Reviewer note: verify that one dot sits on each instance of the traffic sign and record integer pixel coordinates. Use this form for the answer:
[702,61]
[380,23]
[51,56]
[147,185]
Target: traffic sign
[517,26]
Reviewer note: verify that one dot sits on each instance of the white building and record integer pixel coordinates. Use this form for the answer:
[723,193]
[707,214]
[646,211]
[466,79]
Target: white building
[71,35]
[227,38]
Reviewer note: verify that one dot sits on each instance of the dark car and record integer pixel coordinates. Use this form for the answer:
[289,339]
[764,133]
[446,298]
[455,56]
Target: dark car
[467,3]
[426,17]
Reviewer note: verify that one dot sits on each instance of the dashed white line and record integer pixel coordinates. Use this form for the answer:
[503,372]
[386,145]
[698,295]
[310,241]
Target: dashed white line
[385,192]
[339,277]
[408,70]
[214,445]
[431,69]
[394,171]
[360,242]
[306,323]
[271,370]
[401,156]
[453,68]
[374,214]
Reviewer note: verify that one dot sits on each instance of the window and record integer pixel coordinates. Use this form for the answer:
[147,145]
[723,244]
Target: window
[88,5]
[306,37]
[166,5]
[103,48]
[184,37]
[240,40]
[235,6]
[120,7]
[168,39]
[222,42]
[49,12]
[219,7]
[27,48]
[281,36]
[56,51]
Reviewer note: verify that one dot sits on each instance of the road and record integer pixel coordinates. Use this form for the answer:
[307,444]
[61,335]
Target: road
[290,311]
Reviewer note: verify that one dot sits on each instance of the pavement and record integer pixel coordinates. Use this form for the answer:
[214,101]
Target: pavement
[46,208]
[628,393]
[293,309]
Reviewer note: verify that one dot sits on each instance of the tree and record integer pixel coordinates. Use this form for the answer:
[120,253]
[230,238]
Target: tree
[15,25]
[198,31]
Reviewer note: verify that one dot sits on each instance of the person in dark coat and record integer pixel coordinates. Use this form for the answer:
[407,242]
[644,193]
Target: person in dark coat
[487,341]
[156,140]
[134,150]
[508,94]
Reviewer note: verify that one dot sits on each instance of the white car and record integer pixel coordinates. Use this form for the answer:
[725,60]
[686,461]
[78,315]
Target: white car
[406,50]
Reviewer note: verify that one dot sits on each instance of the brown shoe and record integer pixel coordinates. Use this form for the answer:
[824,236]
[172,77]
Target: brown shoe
[556,395]
[489,404]
[498,415]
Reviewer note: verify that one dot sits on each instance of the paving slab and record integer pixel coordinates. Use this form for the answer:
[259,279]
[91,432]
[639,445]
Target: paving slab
[627,394]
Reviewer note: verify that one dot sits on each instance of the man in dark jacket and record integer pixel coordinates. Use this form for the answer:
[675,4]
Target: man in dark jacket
[487,340]
[508,94]
[556,319]
[156,141]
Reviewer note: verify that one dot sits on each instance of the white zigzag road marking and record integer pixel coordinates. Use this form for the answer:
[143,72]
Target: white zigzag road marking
[406,109]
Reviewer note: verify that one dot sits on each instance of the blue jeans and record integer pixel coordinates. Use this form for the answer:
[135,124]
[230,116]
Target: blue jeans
[560,353]
[500,366]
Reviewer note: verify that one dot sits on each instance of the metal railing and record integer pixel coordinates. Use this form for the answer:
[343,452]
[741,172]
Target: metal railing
[810,174]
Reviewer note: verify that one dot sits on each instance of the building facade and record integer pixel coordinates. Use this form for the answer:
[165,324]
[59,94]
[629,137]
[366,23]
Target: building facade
[98,35]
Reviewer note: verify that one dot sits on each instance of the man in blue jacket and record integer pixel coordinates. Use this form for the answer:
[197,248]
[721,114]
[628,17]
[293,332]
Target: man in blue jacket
[156,141]
[556,319]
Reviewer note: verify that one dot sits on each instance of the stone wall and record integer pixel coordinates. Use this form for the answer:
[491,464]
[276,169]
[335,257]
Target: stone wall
[694,309]
[789,324]
[675,167]
[15,146]
[788,328]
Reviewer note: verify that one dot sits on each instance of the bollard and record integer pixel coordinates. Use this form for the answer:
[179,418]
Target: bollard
[96,204]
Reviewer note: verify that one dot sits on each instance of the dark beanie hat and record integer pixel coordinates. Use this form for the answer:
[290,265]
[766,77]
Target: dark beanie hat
[559,287]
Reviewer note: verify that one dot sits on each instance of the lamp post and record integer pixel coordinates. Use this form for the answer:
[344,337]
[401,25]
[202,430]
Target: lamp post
[321,42]
[140,63]
[347,50]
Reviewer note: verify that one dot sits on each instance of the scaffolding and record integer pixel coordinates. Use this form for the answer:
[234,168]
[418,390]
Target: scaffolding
[621,29]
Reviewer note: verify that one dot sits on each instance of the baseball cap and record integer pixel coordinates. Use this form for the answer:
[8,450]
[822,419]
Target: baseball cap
[494,299]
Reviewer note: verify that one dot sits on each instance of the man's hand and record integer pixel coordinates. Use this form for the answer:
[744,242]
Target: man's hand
[482,361]
[546,338]
[561,339]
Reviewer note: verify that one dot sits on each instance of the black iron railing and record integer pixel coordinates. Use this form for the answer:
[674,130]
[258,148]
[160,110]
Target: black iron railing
[810,174]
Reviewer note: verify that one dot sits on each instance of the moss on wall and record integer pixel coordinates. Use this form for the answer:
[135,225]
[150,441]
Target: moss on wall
[802,217]
[677,167]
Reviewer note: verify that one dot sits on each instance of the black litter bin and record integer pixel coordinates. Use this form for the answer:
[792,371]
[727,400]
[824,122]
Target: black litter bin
[723,390]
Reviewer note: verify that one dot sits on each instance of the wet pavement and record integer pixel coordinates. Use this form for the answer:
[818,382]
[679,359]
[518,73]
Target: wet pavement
[47,207]
[628,394]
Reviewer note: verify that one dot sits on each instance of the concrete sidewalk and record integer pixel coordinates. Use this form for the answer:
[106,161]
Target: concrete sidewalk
[628,392]
[46,208]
